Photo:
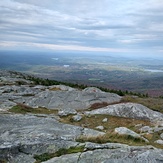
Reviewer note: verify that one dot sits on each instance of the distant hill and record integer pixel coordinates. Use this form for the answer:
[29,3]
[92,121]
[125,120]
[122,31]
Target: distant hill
[139,75]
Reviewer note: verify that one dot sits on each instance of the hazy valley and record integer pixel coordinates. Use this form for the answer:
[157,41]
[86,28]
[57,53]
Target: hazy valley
[137,74]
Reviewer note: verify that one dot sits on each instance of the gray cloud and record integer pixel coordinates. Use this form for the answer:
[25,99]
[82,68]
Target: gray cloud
[95,24]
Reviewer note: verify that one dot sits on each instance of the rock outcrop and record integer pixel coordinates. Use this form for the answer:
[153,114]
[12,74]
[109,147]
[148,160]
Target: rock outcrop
[128,132]
[30,135]
[53,97]
[74,99]
[11,77]
[112,153]
[66,112]
[131,110]
[23,136]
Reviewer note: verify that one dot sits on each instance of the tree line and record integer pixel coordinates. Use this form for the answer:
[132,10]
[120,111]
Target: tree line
[48,82]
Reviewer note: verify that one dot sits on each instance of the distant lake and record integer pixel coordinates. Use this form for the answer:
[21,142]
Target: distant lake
[151,70]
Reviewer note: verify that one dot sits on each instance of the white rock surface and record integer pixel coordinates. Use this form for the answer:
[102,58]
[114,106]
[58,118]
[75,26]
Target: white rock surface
[100,127]
[161,136]
[146,129]
[159,142]
[157,129]
[66,112]
[105,120]
[129,110]
[75,99]
[77,117]
[6,105]
[126,131]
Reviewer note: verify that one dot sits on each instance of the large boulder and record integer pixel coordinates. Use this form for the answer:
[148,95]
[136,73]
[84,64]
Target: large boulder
[159,142]
[129,110]
[126,131]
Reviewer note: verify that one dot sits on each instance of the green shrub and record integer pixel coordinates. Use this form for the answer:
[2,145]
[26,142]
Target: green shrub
[60,152]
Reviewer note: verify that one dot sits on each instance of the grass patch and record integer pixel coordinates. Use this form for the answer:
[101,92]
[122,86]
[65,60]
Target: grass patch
[54,89]
[112,137]
[60,152]
[93,121]
[113,122]
[155,104]
[153,137]
[23,109]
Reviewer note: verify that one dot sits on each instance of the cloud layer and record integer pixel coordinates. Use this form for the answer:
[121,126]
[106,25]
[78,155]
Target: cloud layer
[107,25]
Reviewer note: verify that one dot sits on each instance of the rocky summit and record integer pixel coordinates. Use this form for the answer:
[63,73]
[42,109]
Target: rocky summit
[61,124]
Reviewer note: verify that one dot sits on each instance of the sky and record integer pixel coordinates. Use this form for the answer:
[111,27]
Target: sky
[111,26]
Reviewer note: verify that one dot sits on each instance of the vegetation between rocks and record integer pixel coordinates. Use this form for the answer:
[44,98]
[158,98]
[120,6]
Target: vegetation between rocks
[23,109]
[152,137]
[92,121]
[60,152]
[112,137]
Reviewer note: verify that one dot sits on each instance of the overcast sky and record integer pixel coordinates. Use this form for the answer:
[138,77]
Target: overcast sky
[113,26]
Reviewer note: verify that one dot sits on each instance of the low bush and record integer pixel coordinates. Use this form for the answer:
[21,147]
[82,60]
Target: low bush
[60,152]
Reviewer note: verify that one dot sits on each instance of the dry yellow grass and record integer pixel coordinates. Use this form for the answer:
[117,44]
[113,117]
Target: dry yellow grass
[23,109]
[96,120]
[148,136]
[55,89]
[112,137]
